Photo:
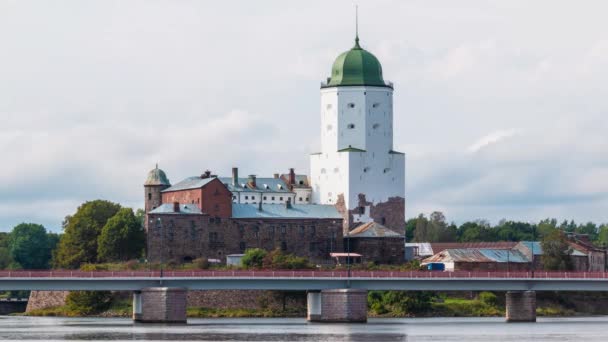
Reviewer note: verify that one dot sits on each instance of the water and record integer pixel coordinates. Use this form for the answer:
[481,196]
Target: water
[588,329]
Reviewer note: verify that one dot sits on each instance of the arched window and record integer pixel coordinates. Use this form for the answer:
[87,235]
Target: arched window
[351,105]
[350,126]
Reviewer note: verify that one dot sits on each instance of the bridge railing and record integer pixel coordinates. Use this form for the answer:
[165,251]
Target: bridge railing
[298,274]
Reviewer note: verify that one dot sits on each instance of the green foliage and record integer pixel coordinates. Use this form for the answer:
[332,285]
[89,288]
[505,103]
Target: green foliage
[488,298]
[399,303]
[434,229]
[88,302]
[201,263]
[556,252]
[122,237]
[456,307]
[253,258]
[29,246]
[78,244]
[5,258]
[281,261]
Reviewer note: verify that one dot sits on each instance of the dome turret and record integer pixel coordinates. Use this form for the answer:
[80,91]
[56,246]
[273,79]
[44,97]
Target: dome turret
[157,176]
[356,67]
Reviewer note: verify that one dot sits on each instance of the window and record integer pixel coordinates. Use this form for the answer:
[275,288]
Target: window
[366,169]
[306,199]
[264,198]
[313,230]
[312,247]
[280,198]
[302,230]
[361,210]
[213,237]
[351,105]
[272,198]
[329,127]
[350,126]
[386,170]
[376,105]
[301,182]
[300,199]
[283,229]
[328,106]
[149,195]
[246,197]
[211,220]
[242,246]
[384,220]
[375,126]
[283,246]
[218,220]
[323,171]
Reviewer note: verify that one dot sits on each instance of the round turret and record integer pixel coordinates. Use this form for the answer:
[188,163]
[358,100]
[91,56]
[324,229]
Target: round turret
[157,176]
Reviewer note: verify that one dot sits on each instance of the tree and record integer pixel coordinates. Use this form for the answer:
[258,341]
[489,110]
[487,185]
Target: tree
[253,258]
[29,246]
[88,302]
[122,237]
[5,255]
[556,252]
[421,233]
[410,227]
[78,244]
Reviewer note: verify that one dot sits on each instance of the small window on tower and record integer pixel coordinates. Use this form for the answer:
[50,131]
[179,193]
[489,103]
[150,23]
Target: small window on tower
[329,106]
[376,105]
[351,105]
[350,126]
[329,127]
[375,126]
[149,196]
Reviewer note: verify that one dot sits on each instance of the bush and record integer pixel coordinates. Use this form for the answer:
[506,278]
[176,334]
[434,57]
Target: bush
[488,298]
[132,265]
[88,302]
[281,261]
[253,258]
[201,263]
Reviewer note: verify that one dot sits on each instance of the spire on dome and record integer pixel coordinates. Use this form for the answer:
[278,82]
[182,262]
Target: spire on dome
[357,46]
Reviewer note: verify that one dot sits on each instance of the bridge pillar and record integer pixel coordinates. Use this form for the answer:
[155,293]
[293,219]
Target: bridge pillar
[160,305]
[521,306]
[338,305]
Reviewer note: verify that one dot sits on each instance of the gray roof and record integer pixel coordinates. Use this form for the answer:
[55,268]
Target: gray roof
[263,184]
[373,230]
[477,255]
[157,176]
[538,248]
[280,211]
[184,209]
[195,182]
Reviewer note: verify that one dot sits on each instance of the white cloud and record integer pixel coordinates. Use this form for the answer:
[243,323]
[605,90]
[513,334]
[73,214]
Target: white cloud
[492,138]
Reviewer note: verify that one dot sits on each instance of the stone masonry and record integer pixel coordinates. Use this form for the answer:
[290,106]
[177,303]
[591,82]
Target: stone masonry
[160,305]
[521,306]
[390,214]
[344,306]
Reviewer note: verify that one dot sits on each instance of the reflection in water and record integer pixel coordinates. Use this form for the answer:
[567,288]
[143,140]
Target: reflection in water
[589,329]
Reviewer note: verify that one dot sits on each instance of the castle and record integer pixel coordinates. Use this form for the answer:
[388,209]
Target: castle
[356,188]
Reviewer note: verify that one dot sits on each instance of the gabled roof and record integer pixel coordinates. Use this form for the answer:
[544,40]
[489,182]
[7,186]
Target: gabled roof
[431,248]
[263,184]
[184,209]
[195,182]
[373,230]
[280,211]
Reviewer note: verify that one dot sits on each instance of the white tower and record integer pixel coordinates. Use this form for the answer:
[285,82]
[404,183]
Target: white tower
[357,169]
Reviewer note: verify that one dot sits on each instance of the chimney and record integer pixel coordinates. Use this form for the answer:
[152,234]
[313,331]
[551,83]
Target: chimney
[206,174]
[288,203]
[292,176]
[252,181]
[276,176]
[176,207]
[235,176]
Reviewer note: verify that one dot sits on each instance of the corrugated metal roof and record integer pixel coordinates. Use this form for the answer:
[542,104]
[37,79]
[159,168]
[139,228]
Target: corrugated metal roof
[478,255]
[280,211]
[373,229]
[195,182]
[263,184]
[533,246]
[428,248]
[167,208]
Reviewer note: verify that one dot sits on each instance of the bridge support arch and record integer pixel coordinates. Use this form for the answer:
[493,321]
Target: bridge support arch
[521,306]
[160,305]
[337,305]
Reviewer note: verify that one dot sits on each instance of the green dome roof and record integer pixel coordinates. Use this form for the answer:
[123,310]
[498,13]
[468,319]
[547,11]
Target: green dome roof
[157,177]
[356,67]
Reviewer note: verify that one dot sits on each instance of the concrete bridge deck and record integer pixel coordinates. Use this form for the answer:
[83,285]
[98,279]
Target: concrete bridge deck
[304,280]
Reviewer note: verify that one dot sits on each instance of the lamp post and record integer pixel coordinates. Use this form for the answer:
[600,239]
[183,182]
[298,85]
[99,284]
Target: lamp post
[348,258]
[159,224]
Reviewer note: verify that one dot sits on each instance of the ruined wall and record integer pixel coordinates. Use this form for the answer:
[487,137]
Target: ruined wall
[382,250]
[390,214]
[46,299]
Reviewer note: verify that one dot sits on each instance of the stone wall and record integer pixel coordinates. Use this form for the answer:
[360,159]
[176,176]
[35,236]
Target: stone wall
[390,214]
[344,305]
[187,236]
[521,306]
[225,299]
[382,250]
[46,299]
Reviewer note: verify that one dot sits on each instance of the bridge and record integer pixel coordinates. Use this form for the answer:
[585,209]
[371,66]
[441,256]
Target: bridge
[332,295]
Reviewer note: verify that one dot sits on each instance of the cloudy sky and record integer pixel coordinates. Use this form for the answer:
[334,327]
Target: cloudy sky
[500,106]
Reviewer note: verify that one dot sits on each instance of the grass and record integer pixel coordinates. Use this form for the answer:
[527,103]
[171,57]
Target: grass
[554,311]
[458,307]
